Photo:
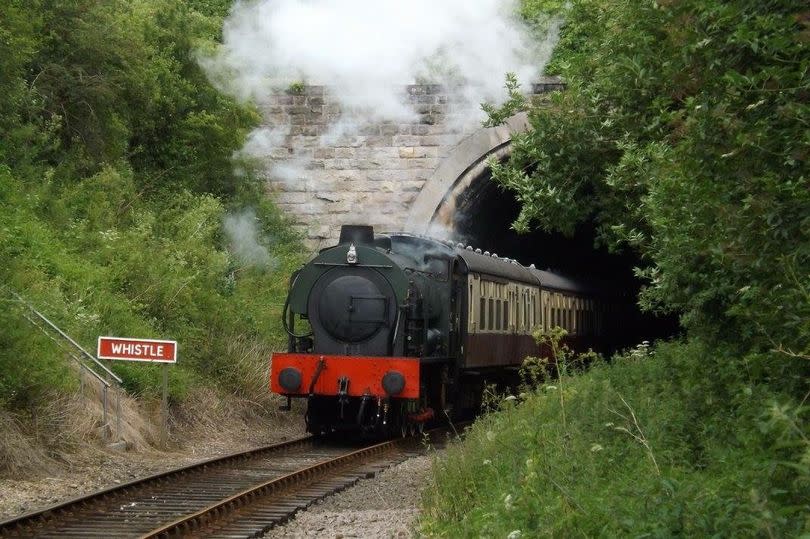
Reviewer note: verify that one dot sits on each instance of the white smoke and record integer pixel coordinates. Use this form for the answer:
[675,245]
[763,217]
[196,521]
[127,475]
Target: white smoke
[261,145]
[367,50]
[243,235]
[444,232]
[261,142]
[341,128]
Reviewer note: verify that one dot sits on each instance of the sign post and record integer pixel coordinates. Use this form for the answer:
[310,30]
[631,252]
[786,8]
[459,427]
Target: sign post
[164,408]
[147,351]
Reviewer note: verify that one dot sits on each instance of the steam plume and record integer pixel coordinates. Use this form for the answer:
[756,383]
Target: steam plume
[365,52]
[243,235]
[369,49]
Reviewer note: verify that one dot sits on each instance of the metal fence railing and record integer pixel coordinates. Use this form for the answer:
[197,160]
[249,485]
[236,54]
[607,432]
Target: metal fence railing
[88,364]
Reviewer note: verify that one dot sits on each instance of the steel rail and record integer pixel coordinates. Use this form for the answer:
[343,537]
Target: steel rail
[241,494]
[41,515]
[305,476]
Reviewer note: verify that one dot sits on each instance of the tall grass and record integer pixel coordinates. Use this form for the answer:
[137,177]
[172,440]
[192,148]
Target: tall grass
[665,441]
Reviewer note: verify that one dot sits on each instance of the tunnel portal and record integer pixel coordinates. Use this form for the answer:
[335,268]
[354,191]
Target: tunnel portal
[482,216]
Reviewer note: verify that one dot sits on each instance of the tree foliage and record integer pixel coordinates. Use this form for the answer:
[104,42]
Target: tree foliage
[683,133]
[116,174]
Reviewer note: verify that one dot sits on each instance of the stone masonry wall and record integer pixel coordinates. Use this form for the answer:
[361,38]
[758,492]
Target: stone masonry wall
[330,165]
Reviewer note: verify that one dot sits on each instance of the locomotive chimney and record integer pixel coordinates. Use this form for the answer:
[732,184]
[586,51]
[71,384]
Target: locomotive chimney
[357,234]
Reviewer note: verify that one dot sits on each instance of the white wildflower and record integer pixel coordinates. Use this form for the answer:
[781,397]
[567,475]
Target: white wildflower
[595,448]
[514,534]
[510,398]
[109,235]
[487,462]
[490,436]
[508,502]
[752,106]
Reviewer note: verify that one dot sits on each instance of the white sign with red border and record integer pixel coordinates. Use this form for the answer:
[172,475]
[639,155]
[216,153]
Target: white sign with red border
[147,350]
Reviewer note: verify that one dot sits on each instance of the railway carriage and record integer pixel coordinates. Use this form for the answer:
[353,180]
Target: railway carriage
[388,332]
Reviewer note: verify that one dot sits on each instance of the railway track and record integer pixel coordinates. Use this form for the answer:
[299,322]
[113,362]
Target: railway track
[239,495]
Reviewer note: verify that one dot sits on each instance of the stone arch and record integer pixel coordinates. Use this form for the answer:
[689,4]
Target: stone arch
[467,161]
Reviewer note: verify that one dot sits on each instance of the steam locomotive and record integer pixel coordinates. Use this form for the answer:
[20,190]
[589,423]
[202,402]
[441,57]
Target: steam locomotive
[389,332]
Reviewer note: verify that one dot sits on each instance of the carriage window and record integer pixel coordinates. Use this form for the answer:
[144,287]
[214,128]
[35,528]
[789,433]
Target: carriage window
[483,314]
[525,311]
[498,315]
[472,311]
[505,315]
[491,316]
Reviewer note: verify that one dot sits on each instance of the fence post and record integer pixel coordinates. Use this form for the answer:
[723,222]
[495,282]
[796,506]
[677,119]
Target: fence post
[105,412]
[118,414]
[164,407]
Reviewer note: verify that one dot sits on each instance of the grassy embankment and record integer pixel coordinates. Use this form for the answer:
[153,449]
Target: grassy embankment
[126,208]
[660,442]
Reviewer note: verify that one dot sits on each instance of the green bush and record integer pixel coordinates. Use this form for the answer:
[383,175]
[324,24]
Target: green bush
[35,367]
[682,135]
[116,176]
[145,276]
[674,441]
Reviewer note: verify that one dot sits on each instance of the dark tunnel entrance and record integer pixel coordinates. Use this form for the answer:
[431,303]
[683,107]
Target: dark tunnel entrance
[483,216]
